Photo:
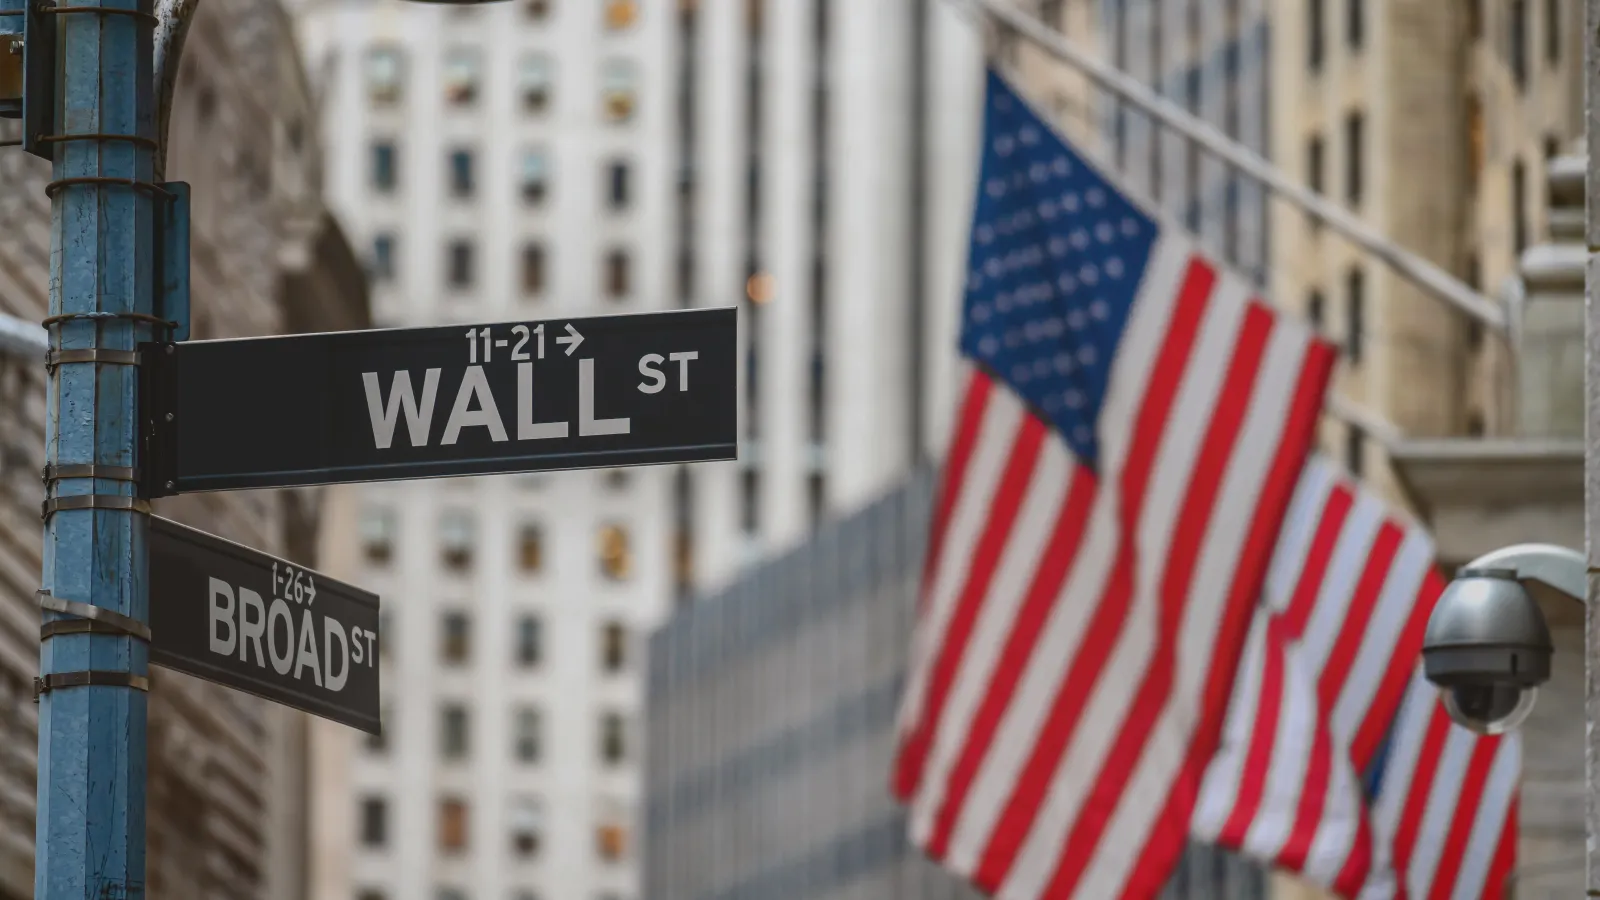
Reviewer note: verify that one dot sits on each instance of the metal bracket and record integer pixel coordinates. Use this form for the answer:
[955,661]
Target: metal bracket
[91,355]
[172,259]
[109,473]
[43,684]
[95,501]
[87,619]
[158,444]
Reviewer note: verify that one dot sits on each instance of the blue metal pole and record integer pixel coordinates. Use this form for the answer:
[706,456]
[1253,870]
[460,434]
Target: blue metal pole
[91,789]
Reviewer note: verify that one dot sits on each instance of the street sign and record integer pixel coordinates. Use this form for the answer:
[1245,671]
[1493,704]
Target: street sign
[429,402]
[247,620]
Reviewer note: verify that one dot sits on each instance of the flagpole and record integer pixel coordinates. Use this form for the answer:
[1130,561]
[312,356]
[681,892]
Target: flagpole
[1407,264]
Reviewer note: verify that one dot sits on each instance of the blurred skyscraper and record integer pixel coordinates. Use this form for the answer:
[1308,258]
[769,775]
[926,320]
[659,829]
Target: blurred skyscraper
[505,162]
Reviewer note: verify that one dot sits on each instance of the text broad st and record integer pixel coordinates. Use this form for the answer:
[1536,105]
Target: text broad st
[250,621]
[459,400]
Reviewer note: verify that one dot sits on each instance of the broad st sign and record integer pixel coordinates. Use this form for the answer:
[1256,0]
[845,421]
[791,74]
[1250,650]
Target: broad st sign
[253,622]
[425,402]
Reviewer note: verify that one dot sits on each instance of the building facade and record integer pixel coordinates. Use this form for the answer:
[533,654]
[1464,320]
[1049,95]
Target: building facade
[500,163]
[772,708]
[227,787]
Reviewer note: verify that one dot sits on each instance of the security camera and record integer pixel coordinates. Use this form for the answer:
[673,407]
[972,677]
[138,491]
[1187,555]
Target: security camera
[1487,646]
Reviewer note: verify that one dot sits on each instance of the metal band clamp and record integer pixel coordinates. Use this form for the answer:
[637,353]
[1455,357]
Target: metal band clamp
[43,684]
[91,355]
[109,473]
[88,619]
[102,10]
[95,501]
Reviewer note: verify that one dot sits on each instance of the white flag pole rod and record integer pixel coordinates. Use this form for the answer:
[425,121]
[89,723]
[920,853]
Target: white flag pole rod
[1410,266]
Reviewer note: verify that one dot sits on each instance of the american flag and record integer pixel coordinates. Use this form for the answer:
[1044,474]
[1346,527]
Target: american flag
[1133,426]
[1330,708]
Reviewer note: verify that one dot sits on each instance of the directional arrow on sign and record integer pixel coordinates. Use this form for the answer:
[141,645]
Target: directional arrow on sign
[572,340]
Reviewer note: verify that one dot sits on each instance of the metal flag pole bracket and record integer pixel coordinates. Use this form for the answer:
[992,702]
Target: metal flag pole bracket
[43,684]
[95,501]
[87,619]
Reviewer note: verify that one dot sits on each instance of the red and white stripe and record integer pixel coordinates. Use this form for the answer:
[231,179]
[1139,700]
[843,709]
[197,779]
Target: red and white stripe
[1332,656]
[1080,630]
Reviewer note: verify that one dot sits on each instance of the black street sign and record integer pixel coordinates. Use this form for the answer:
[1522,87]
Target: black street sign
[427,402]
[253,622]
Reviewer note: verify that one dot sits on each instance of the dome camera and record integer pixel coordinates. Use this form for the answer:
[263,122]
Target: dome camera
[1487,649]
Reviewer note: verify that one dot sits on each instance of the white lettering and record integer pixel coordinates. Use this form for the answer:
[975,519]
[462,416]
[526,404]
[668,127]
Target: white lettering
[682,359]
[527,428]
[648,368]
[332,629]
[588,425]
[384,415]
[251,630]
[355,645]
[283,663]
[307,658]
[474,386]
[372,652]
[222,613]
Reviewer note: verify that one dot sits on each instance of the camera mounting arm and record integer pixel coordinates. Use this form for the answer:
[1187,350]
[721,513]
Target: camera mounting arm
[173,18]
[1558,568]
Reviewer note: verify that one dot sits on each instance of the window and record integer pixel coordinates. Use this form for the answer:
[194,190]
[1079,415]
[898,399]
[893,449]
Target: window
[462,184]
[1315,153]
[377,535]
[613,647]
[533,274]
[621,14]
[1355,23]
[1552,32]
[1518,38]
[613,739]
[382,265]
[1475,19]
[1355,314]
[1050,13]
[611,831]
[374,821]
[617,272]
[1354,141]
[527,826]
[1315,21]
[528,740]
[456,537]
[533,82]
[449,893]
[1552,147]
[455,638]
[461,264]
[385,166]
[750,491]
[530,640]
[616,561]
[617,185]
[620,80]
[462,71]
[1315,309]
[535,176]
[385,74]
[1355,446]
[371,894]
[1519,206]
[538,10]
[453,740]
[452,824]
[530,547]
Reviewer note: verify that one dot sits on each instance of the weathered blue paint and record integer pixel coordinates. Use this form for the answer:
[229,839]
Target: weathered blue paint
[91,815]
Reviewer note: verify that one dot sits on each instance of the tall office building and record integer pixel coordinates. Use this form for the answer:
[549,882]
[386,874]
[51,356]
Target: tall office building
[503,162]
[827,154]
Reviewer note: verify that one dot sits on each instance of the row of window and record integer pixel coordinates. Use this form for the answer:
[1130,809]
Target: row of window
[1519,32]
[462,261]
[463,81]
[533,180]
[458,542]
[1355,126]
[614,646]
[526,826]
